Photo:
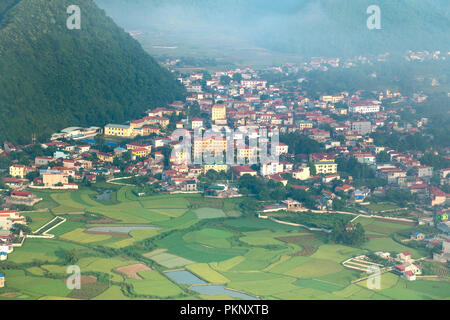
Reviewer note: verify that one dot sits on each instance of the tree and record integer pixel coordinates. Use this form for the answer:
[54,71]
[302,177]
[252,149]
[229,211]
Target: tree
[383,157]
[237,77]
[225,80]
[17,228]
[71,257]
[250,206]
[353,235]
[32,175]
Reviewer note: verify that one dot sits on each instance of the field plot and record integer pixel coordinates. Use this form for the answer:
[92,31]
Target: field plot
[195,251]
[36,286]
[49,250]
[88,291]
[112,293]
[39,219]
[260,284]
[167,260]
[208,240]
[79,235]
[155,284]
[387,244]
[104,265]
[210,237]
[165,203]
[132,271]
[319,285]
[205,272]
[209,213]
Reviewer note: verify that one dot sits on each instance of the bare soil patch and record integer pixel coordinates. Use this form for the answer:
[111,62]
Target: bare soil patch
[132,270]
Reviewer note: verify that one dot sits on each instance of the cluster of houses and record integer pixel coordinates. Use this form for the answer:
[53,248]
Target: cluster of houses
[251,107]
[406,267]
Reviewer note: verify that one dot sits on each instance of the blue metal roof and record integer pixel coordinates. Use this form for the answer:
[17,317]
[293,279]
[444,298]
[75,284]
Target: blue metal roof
[111,144]
[2,275]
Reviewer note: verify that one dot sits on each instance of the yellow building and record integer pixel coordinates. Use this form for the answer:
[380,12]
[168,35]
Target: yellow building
[180,157]
[215,167]
[150,121]
[247,153]
[219,112]
[302,174]
[18,171]
[146,131]
[105,157]
[53,179]
[141,152]
[326,167]
[305,125]
[209,145]
[117,130]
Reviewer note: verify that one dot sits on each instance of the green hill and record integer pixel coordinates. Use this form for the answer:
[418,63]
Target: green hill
[52,77]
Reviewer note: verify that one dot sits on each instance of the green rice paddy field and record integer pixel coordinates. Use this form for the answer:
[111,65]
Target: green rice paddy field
[207,237]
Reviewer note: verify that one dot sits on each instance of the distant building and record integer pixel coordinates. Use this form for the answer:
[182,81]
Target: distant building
[117,130]
[404,257]
[444,255]
[243,170]
[190,186]
[18,171]
[53,179]
[268,169]
[303,173]
[423,171]
[417,236]
[219,112]
[364,107]
[362,127]
[326,167]
[2,280]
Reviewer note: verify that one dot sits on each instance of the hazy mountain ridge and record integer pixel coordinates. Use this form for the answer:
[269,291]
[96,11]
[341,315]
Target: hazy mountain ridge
[52,77]
[304,27]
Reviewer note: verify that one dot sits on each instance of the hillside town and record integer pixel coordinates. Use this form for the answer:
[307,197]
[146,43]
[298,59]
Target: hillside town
[334,154]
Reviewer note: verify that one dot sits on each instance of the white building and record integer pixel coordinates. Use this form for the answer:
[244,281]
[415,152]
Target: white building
[272,168]
[364,107]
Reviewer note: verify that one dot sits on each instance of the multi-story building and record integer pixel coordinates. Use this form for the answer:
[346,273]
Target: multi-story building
[423,171]
[268,169]
[364,107]
[140,152]
[326,167]
[18,171]
[362,127]
[302,173]
[331,98]
[216,146]
[365,158]
[305,125]
[196,123]
[218,112]
[10,217]
[118,130]
[53,179]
